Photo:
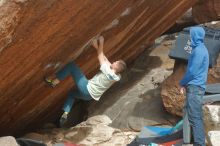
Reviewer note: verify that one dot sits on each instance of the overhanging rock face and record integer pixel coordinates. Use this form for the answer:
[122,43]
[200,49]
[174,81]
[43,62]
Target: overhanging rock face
[38,37]
[206,10]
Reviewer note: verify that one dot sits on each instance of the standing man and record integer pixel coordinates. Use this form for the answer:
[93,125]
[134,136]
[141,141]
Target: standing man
[194,83]
[88,89]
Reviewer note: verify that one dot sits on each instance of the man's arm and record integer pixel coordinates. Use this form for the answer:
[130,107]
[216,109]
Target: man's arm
[193,65]
[192,68]
[99,45]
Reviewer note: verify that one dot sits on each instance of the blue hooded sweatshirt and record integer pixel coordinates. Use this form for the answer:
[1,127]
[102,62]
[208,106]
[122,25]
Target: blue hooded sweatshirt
[198,62]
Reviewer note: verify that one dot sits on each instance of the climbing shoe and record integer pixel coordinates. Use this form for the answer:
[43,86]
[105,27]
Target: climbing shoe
[50,82]
[63,119]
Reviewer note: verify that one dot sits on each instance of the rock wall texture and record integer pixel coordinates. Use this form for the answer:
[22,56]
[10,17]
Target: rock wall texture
[214,138]
[206,10]
[172,99]
[212,123]
[93,132]
[8,141]
[39,37]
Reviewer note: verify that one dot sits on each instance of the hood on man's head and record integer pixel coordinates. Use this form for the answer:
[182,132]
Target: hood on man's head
[197,35]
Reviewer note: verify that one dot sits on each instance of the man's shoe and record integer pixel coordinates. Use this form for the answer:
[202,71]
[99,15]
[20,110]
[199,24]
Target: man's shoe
[63,118]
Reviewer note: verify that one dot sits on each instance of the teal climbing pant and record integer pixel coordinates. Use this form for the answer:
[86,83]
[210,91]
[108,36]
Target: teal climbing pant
[81,83]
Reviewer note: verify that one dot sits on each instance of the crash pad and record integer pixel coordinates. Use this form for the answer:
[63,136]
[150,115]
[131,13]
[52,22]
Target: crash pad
[181,49]
[29,142]
[213,88]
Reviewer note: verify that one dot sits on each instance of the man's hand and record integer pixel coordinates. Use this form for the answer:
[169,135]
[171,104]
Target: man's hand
[181,89]
[98,44]
[95,44]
